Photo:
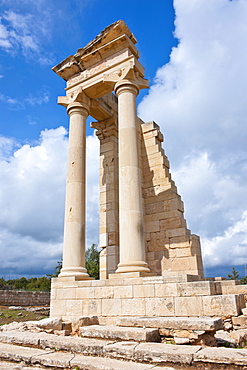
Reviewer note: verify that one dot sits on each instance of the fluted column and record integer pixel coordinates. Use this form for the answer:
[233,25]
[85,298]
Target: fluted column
[131,233]
[75,204]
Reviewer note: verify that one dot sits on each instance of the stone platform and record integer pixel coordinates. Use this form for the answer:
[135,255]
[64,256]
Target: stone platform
[144,296]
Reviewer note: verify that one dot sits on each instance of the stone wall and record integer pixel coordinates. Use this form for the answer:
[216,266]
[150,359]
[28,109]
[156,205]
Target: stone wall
[171,248]
[22,298]
[147,296]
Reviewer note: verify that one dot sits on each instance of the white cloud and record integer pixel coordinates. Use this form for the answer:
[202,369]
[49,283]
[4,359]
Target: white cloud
[41,96]
[26,33]
[199,100]
[32,192]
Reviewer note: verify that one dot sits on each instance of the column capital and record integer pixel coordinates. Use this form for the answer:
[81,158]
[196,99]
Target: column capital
[106,128]
[128,76]
[75,101]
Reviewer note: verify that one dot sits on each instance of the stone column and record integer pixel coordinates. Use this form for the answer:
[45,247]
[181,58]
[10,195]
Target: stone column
[75,204]
[131,226]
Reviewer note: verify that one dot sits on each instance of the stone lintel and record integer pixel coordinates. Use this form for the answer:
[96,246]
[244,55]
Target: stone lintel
[100,80]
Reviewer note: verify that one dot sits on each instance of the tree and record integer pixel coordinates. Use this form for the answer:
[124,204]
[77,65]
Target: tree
[234,275]
[92,261]
[57,270]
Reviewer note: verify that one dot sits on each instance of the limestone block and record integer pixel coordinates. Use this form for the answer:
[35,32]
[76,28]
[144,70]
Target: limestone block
[162,353]
[124,291]
[152,226]
[112,262]
[234,289]
[240,321]
[120,350]
[54,323]
[182,340]
[73,307]
[176,232]
[85,292]
[166,290]
[196,288]
[143,291]
[188,306]
[154,208]
[222,356]
[103,240]
[173,323]
[120,333]
[113,238]
[91,307]
[133,306]
[104,292]
[240,336]
[160,306]
[111,307]
[172,223]
[244,311]
[222,338]
[66,293]
[223,305]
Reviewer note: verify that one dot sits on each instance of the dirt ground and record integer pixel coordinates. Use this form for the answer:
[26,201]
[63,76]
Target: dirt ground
[8,315]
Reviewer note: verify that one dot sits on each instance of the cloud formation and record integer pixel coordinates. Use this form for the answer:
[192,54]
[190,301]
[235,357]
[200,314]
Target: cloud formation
[32,193]
[199,100]
[25,33]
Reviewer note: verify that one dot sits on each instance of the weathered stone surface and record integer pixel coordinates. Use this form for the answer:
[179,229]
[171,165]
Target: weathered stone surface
[179,323]
[121,333]
[240,336]
[223,338]
[120,350]
[240,321]
[162,353]
[53,323]
[222,356]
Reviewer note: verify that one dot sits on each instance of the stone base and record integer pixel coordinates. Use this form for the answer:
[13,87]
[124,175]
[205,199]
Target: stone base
[134,274]
[143,296]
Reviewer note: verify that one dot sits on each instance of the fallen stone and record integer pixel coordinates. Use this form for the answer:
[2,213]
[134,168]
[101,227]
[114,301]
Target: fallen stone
[222,356]
[76,322]
[223,339]
[240,336]
[121,333]
[182,340]
[179,323]
[240,321]
[162,353]
[244,311]
[53,323]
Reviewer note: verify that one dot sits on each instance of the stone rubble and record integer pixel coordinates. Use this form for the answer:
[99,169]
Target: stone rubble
[20,342]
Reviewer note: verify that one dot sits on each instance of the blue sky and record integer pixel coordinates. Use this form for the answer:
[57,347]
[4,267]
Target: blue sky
[197,73]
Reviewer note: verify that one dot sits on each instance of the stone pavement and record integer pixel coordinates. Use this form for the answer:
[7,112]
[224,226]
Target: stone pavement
[54,351]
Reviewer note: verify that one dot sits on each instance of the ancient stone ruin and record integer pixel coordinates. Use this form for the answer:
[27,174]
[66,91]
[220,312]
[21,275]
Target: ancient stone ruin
[151,292]
[150,263]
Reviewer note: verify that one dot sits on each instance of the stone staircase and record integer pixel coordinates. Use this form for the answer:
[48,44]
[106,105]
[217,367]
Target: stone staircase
[129,344]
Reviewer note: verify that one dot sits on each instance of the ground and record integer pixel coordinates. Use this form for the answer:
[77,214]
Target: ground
[9,315]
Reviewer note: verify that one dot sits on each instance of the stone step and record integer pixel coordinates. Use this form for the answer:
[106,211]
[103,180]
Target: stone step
[95,354]
[120,333]
[175,323]
[51,359]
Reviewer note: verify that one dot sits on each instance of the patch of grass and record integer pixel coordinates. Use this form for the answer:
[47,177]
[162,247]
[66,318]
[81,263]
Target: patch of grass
[8,315]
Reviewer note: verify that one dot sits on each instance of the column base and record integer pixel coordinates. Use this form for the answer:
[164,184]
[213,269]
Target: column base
[132,267]
[79,273]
